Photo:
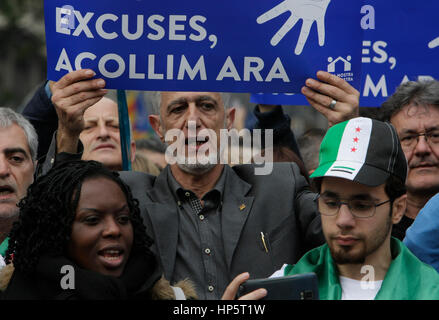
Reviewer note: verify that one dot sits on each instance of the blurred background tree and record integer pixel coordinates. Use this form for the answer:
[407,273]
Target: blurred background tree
[22,50]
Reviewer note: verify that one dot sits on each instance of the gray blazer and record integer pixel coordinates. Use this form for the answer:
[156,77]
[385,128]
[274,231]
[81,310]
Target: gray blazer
[278,205]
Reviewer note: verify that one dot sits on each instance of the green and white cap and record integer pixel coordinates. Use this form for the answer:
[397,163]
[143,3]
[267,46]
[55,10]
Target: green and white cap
[363,150]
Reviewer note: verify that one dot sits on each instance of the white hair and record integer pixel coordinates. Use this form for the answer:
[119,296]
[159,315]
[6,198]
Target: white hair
[8,117]
[156,99]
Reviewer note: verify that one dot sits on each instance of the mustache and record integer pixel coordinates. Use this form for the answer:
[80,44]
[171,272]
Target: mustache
[422,162]
[346,234]
[6,185]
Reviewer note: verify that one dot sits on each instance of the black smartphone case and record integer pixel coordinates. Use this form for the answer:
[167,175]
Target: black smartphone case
[297,287]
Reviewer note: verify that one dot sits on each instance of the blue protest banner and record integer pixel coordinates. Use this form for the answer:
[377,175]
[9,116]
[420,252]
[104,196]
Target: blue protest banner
[401,43]
[400,48]
[195,45]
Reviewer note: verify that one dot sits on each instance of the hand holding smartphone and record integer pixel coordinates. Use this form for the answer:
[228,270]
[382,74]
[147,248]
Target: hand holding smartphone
[297,287]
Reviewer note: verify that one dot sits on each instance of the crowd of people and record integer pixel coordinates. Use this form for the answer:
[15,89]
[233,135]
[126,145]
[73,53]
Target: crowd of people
[361,194]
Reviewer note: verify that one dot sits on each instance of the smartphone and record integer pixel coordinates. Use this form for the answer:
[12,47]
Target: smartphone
[297,287]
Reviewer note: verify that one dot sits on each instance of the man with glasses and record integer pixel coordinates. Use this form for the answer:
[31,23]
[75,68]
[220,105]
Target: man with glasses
[414,112]
[361,183]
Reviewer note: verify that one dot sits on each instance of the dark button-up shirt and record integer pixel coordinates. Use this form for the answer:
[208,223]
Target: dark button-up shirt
[200,251]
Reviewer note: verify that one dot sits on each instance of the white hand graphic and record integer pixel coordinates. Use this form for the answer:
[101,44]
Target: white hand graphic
[434,43]
[308,10]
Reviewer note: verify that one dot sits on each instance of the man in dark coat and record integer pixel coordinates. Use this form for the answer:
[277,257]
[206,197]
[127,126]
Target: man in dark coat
[210,220]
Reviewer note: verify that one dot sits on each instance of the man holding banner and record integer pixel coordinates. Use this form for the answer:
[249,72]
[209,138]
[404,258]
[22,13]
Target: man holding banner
[222,212]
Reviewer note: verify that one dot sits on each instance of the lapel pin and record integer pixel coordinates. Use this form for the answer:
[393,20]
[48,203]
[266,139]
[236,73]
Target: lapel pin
[242,207]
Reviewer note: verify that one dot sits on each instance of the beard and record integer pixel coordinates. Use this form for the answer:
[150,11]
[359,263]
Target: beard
[8,211]
[195,162]
[345,255]
[8,215]
[197,167]
[365,247]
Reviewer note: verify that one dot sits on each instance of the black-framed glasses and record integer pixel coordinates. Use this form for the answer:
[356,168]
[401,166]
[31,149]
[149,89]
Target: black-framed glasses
[409,141]
[359,208]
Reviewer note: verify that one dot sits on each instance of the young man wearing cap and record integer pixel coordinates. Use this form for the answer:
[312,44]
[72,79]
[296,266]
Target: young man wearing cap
[361,182]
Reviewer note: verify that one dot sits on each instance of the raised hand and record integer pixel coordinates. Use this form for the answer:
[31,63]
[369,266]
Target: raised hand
[308,10]
[326,88]
[71,96]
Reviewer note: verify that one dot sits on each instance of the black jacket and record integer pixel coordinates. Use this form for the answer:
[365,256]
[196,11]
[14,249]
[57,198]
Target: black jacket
[140,280]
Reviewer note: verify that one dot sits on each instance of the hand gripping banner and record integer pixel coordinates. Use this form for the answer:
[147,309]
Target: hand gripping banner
[400,43]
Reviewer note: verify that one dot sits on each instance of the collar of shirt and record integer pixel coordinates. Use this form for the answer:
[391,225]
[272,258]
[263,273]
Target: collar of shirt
[211,199]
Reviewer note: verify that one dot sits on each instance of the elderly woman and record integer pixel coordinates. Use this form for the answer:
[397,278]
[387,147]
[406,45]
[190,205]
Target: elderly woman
[80,236]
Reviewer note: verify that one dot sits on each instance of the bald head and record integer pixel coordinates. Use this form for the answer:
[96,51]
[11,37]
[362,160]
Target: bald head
[101,136]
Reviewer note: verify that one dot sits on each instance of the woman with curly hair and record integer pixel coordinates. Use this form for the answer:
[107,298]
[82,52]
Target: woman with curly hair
[80,222]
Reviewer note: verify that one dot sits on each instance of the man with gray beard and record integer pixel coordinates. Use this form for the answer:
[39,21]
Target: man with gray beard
[18,153]
[208,219]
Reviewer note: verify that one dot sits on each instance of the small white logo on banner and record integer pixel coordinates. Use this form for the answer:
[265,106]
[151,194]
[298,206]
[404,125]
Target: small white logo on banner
[347,75]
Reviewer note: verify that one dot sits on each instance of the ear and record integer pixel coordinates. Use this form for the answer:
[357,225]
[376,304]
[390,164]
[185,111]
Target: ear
[398,208]
[230,115]
[133,150]
[155,122]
